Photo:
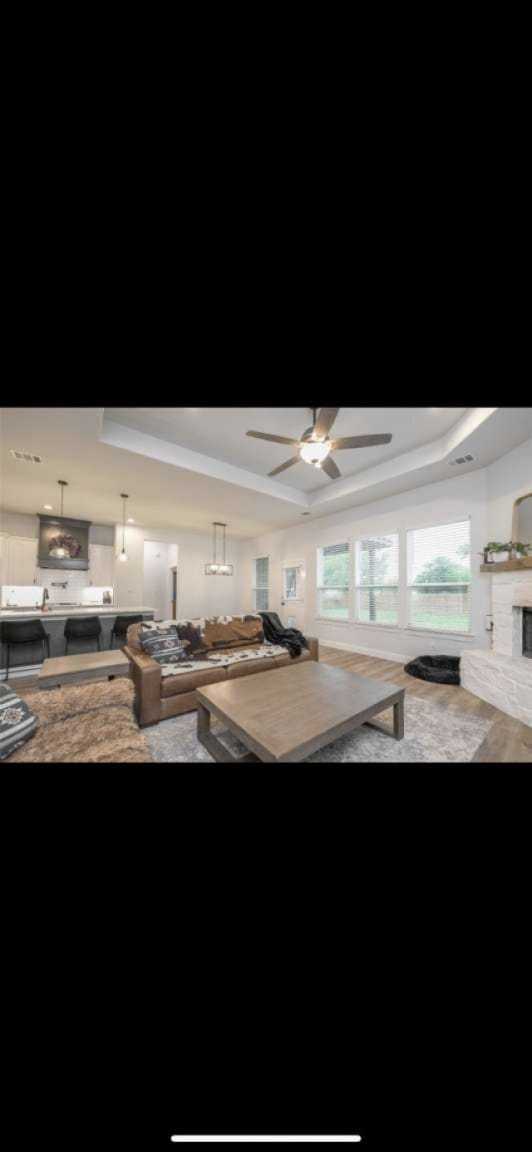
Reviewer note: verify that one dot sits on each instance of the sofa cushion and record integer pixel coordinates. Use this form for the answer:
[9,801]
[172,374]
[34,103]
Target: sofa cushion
[232,631]
[247,667]
[281,660]
[189,681]
[17,722]
[162,644]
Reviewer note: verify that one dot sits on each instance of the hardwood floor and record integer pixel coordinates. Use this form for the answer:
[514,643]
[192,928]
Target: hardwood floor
[508,740]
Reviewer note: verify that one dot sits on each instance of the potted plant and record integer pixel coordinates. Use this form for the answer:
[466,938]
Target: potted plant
[519,551]
[502,553]
[488,552]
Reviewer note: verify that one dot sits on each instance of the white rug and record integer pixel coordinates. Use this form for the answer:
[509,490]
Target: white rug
[432,735]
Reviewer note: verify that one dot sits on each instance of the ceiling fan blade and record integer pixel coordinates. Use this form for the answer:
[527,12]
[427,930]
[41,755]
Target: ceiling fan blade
[325,421]
[331,468]
[270,436]
[287,464]
[362,441]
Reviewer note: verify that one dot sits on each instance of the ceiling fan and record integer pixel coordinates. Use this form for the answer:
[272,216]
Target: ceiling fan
[315,445]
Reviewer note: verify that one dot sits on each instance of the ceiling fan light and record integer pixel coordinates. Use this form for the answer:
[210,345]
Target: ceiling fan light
[314,451]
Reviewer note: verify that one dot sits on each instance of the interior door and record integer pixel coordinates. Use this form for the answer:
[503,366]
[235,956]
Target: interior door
[293,595]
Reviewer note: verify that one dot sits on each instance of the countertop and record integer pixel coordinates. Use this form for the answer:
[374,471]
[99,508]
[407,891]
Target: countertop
[63,612]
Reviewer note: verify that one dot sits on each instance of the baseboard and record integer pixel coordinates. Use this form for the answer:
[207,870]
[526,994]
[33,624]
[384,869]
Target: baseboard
[365,651]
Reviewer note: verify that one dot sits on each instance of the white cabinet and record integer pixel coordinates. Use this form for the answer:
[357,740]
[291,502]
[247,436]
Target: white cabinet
[21,564]
[101,565]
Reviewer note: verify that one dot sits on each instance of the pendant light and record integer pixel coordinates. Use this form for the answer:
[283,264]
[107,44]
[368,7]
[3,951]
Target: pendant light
[60,553]
[123,554]
[218,568]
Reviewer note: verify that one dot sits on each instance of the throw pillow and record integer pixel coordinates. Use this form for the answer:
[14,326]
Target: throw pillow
[17,722]
[191,636]
[163,645]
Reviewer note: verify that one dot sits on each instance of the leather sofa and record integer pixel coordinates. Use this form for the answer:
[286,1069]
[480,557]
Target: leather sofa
[157,697]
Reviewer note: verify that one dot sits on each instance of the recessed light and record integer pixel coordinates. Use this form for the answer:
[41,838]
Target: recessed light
[305,513]
[130,520]
[48,507]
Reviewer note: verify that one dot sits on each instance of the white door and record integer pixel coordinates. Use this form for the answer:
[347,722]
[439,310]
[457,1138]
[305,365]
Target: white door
[21,560]
[293,595]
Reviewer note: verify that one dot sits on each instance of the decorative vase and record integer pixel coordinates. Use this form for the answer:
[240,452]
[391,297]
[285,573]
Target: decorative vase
[502,557]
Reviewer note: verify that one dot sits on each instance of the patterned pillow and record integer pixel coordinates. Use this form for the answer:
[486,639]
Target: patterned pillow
[162,644]
[17,723]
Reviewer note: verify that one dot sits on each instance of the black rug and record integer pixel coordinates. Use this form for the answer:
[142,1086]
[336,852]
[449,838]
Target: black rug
[436,669]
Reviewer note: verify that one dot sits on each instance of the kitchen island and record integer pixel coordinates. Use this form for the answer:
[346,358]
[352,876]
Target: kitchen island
[25,660]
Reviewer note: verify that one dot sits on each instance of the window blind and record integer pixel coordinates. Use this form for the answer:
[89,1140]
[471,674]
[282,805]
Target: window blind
[333,581]
[439,577]
[261,584]
[377,579]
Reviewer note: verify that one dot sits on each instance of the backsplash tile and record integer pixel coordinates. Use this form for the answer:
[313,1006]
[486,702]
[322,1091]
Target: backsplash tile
[75,590]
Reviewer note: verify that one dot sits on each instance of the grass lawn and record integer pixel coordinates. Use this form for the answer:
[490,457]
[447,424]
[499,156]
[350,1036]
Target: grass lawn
[458,622]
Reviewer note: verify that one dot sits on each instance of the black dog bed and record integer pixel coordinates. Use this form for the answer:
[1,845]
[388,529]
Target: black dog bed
[437,669]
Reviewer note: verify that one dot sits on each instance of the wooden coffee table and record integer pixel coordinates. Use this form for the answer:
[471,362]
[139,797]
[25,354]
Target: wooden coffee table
[86,666]
[287,713]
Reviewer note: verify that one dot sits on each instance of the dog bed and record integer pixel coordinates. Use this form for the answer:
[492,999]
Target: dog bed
[436,669]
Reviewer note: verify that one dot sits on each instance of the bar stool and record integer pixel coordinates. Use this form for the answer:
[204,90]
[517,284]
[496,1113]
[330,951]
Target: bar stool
[24,632]
[121,626]
[82,628]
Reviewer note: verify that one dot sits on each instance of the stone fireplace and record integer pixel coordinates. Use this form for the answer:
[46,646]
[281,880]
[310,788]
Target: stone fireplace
[527,632]
[503,675]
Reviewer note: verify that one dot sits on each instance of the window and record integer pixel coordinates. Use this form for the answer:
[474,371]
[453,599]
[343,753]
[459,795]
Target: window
[377,579]
[291,582]
[439,575]
[261,584]
[333,581]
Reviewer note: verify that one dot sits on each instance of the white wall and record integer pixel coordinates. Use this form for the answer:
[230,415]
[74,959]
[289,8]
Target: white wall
[20,524]
[197,594]
[508,478]
[447,501]
[157,561]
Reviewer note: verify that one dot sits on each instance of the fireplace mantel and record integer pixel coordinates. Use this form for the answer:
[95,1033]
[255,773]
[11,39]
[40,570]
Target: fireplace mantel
[507,566]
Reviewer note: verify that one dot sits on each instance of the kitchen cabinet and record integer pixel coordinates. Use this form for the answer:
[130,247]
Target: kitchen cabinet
[101,565]
[20,566]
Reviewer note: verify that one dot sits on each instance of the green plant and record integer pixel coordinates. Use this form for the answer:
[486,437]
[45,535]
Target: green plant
[522,549]
[502,547]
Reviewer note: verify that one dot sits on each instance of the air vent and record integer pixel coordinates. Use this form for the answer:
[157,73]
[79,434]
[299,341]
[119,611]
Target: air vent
[462,459]
[27,456]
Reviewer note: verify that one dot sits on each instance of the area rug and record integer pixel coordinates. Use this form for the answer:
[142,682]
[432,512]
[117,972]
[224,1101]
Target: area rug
[432,735]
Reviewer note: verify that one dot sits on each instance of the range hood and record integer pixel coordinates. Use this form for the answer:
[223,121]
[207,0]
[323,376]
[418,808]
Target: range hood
[67,535]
